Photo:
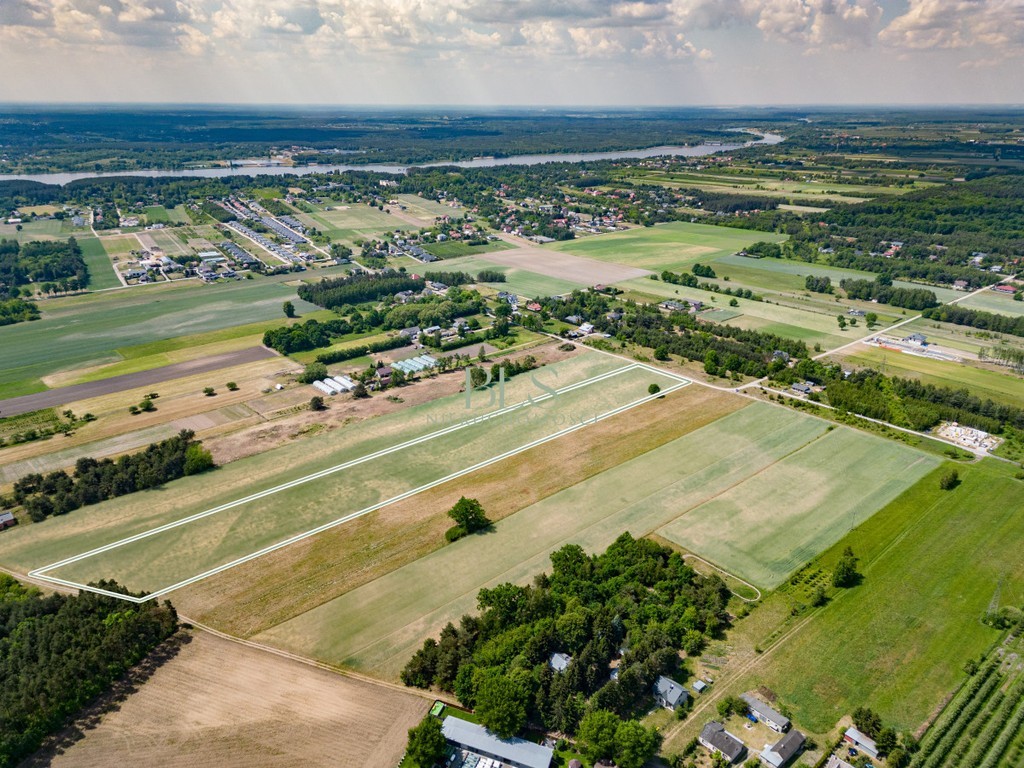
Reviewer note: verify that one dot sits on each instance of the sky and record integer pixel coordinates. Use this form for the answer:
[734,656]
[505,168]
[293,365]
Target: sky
[513,52]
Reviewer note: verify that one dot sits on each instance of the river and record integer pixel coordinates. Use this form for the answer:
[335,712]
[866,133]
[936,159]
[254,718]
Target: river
[698,150]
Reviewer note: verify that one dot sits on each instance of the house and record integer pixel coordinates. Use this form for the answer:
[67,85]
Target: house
[801,388]
[674,306]
[668,693]
[774,720]
[835,762]
[918,339]
[7,519]
[574,319]
[784,750]
[383,374]
[560,661]
[587,328]
[961,285]
[515,752]
[861,741]
[1004,288]
[410,333]
[719,741]
[699,686]
[779,354]
[533,306]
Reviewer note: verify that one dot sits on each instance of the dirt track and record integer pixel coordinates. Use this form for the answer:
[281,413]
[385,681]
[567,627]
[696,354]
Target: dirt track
[219,703]
[63,395]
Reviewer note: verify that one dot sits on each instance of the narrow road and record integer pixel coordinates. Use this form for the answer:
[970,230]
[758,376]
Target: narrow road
[64,395]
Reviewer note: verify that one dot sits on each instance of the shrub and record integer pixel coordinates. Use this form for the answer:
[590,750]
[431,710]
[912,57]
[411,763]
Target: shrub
[232,386]
[209,391]
[950,480]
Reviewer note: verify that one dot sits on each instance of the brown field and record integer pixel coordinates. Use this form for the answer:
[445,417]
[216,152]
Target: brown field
[254,597]
[563,265]
[218,702]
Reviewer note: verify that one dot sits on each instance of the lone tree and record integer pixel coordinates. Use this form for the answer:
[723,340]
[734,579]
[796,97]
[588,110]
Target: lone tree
[427,744]
[316,403]
[468,515]
[360,390]
[845,573]
[950,480]
[313,372]
[653,389]
[289,309]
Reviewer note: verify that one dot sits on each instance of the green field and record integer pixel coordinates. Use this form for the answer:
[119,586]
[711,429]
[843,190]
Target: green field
[522,282]
[87,330]
[640,495]
[768,526]
[990,301]
[674,246]
[101,271]
[180,553]
[1001,387]
[451,249]
[933,561]
[352,223]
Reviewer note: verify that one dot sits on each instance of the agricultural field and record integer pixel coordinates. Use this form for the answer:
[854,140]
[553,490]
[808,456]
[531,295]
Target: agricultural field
[675,246]
[83,331]
[961,337]
[246,714]
[348,223]
[640,495]
[451,249]
[933,563]
[990,301]
[766,527]
[520,281]
[344,482]
[101,270]
[1000,386]
[425,209]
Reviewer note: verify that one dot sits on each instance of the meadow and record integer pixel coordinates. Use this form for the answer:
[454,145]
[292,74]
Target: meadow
[88,330]
[933,562]
[101,270]
[520,281]
[675,246]
[990,301]
[350,223]
[452,248]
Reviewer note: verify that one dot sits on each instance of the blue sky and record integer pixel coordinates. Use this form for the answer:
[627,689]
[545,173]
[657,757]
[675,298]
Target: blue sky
[508,52]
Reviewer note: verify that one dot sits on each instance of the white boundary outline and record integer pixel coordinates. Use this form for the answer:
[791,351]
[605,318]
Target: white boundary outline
[40,573]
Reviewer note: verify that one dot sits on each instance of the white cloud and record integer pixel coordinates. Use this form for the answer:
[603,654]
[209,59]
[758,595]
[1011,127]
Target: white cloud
[953,24]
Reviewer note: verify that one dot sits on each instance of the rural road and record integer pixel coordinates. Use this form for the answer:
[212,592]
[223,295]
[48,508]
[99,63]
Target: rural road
[63,395]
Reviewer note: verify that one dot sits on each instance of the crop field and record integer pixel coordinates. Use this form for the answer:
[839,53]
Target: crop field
[810,327]
[101,270]
[768,526]
[45,229]
[520,281]
[640,495]
[990,301]
[350,223]
[451,249]
[425,209]
[674,246]
[933,562]
[252,711]
[87,330]
[1001,387]
[203,528]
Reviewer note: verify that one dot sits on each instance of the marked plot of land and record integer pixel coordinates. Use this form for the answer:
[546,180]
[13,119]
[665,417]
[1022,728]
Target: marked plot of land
[521,281]
[198,543]
[565,266]
[769,525]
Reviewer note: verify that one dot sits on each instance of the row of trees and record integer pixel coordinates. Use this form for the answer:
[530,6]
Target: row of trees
[638,601]
[881,290]
[58,652]
[976,318]
[358,288]
[93,481]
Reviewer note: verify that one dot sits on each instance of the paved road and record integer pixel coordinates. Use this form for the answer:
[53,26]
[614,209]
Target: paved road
[64,395]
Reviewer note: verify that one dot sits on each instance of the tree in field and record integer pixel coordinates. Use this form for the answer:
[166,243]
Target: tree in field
[427,744]
[360,390]
[868,721]
[950,480]
[661,352]
[842,322]
[469,515]
[845,573]
[197,459]
[316,403]
[871,318]
[501,706]
[653,389]
[209,391]
[597,734]
[313,372]
[289,309]
[635,744]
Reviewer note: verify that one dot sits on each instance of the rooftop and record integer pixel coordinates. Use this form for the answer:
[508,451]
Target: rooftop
[476,738]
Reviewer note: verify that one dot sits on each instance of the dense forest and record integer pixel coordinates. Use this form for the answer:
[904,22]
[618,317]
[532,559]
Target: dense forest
[358,288]
[59,652]
[56,262]
[636,604]
[881,290]
[57,492]
[976,318]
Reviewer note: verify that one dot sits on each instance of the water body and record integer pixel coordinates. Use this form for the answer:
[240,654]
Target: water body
[698,150]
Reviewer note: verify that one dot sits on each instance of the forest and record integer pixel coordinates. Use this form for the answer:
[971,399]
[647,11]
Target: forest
[59,652]
[93,481]
[881,290]
[41,262]
[358,288]
[631,608]
[976,318]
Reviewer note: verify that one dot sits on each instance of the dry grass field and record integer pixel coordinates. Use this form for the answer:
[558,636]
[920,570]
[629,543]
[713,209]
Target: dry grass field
[220,703]
[565,266]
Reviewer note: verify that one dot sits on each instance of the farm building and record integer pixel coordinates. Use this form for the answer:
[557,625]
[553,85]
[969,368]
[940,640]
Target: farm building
[674,306]
[861,741]
[7,519]
[764,713]
[784,750]
[668,693]
[559,661]
[414,364]
[802,388]
[515,752]
[719,741]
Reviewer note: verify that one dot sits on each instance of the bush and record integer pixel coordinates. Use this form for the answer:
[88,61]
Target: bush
[209,391]
[316,403]
[232,386]
[455,533]
[950,480]
[313,372]
[653,389]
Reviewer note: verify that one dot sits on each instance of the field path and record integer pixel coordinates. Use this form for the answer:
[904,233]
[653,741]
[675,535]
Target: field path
[75,392]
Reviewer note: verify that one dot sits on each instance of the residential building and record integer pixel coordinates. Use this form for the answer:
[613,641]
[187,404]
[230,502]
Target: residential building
[514,752]
[766,714]
[7,519]
[783,751]
[861,741]
[837,762]
[918,339]
[719,741]
[560,661]
[668,693]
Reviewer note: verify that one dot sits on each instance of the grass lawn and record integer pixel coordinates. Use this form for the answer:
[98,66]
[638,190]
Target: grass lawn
[932,561]
[990,301]
[449,249]
[1001,387]
[101,271]
[43,229]
[351,223]
[674,246]
[520,281]
[768,526]
[88,330]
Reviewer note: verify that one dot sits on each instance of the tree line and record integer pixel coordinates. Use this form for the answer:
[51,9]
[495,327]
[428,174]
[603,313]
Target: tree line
[358,288]
[976,318]
[302,336]
[59,652]
[93,481]
[881,290]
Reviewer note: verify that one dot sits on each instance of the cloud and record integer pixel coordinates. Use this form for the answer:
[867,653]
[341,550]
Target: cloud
[956,24]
